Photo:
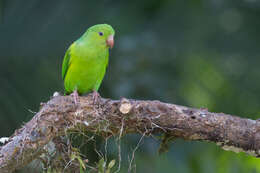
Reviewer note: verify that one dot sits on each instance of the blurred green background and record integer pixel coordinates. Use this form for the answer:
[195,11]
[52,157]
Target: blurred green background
[190,52]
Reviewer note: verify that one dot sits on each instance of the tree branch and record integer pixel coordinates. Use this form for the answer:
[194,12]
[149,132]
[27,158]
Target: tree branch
[147,117]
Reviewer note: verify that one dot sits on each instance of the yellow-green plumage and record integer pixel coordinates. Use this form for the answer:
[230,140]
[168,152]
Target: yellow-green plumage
[86,60]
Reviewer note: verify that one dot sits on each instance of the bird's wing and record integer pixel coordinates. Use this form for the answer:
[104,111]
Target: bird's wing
[66,62]
[107,60]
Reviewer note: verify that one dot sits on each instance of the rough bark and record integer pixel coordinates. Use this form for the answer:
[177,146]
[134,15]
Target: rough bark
[108,117]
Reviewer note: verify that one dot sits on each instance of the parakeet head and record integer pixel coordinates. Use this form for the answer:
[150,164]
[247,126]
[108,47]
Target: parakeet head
[101,34]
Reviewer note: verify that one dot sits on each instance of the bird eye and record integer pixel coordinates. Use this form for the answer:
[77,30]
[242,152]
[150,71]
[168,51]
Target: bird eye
[100,33]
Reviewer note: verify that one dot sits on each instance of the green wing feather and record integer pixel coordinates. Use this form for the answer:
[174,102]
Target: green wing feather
[66,63]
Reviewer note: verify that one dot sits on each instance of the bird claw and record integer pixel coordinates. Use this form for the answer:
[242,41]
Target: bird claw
[95,97]
[75,97]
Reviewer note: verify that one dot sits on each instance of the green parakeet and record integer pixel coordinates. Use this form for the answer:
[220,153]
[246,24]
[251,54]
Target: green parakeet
[85,62]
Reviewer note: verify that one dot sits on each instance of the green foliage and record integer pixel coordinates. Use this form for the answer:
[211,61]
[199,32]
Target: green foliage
[81,163]
[103,167]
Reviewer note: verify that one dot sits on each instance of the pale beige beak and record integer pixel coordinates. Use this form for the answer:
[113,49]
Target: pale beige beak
[110,41]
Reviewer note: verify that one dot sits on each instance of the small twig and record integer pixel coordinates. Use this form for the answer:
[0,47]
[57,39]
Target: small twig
[67,165]
[4,140]
[133,153]
[119,147]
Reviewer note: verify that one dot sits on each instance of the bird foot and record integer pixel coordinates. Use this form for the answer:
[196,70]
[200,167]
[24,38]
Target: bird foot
[75,97]
[95,97]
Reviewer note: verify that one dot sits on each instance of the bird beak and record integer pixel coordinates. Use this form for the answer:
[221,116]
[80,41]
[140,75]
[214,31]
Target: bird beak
[110,41]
